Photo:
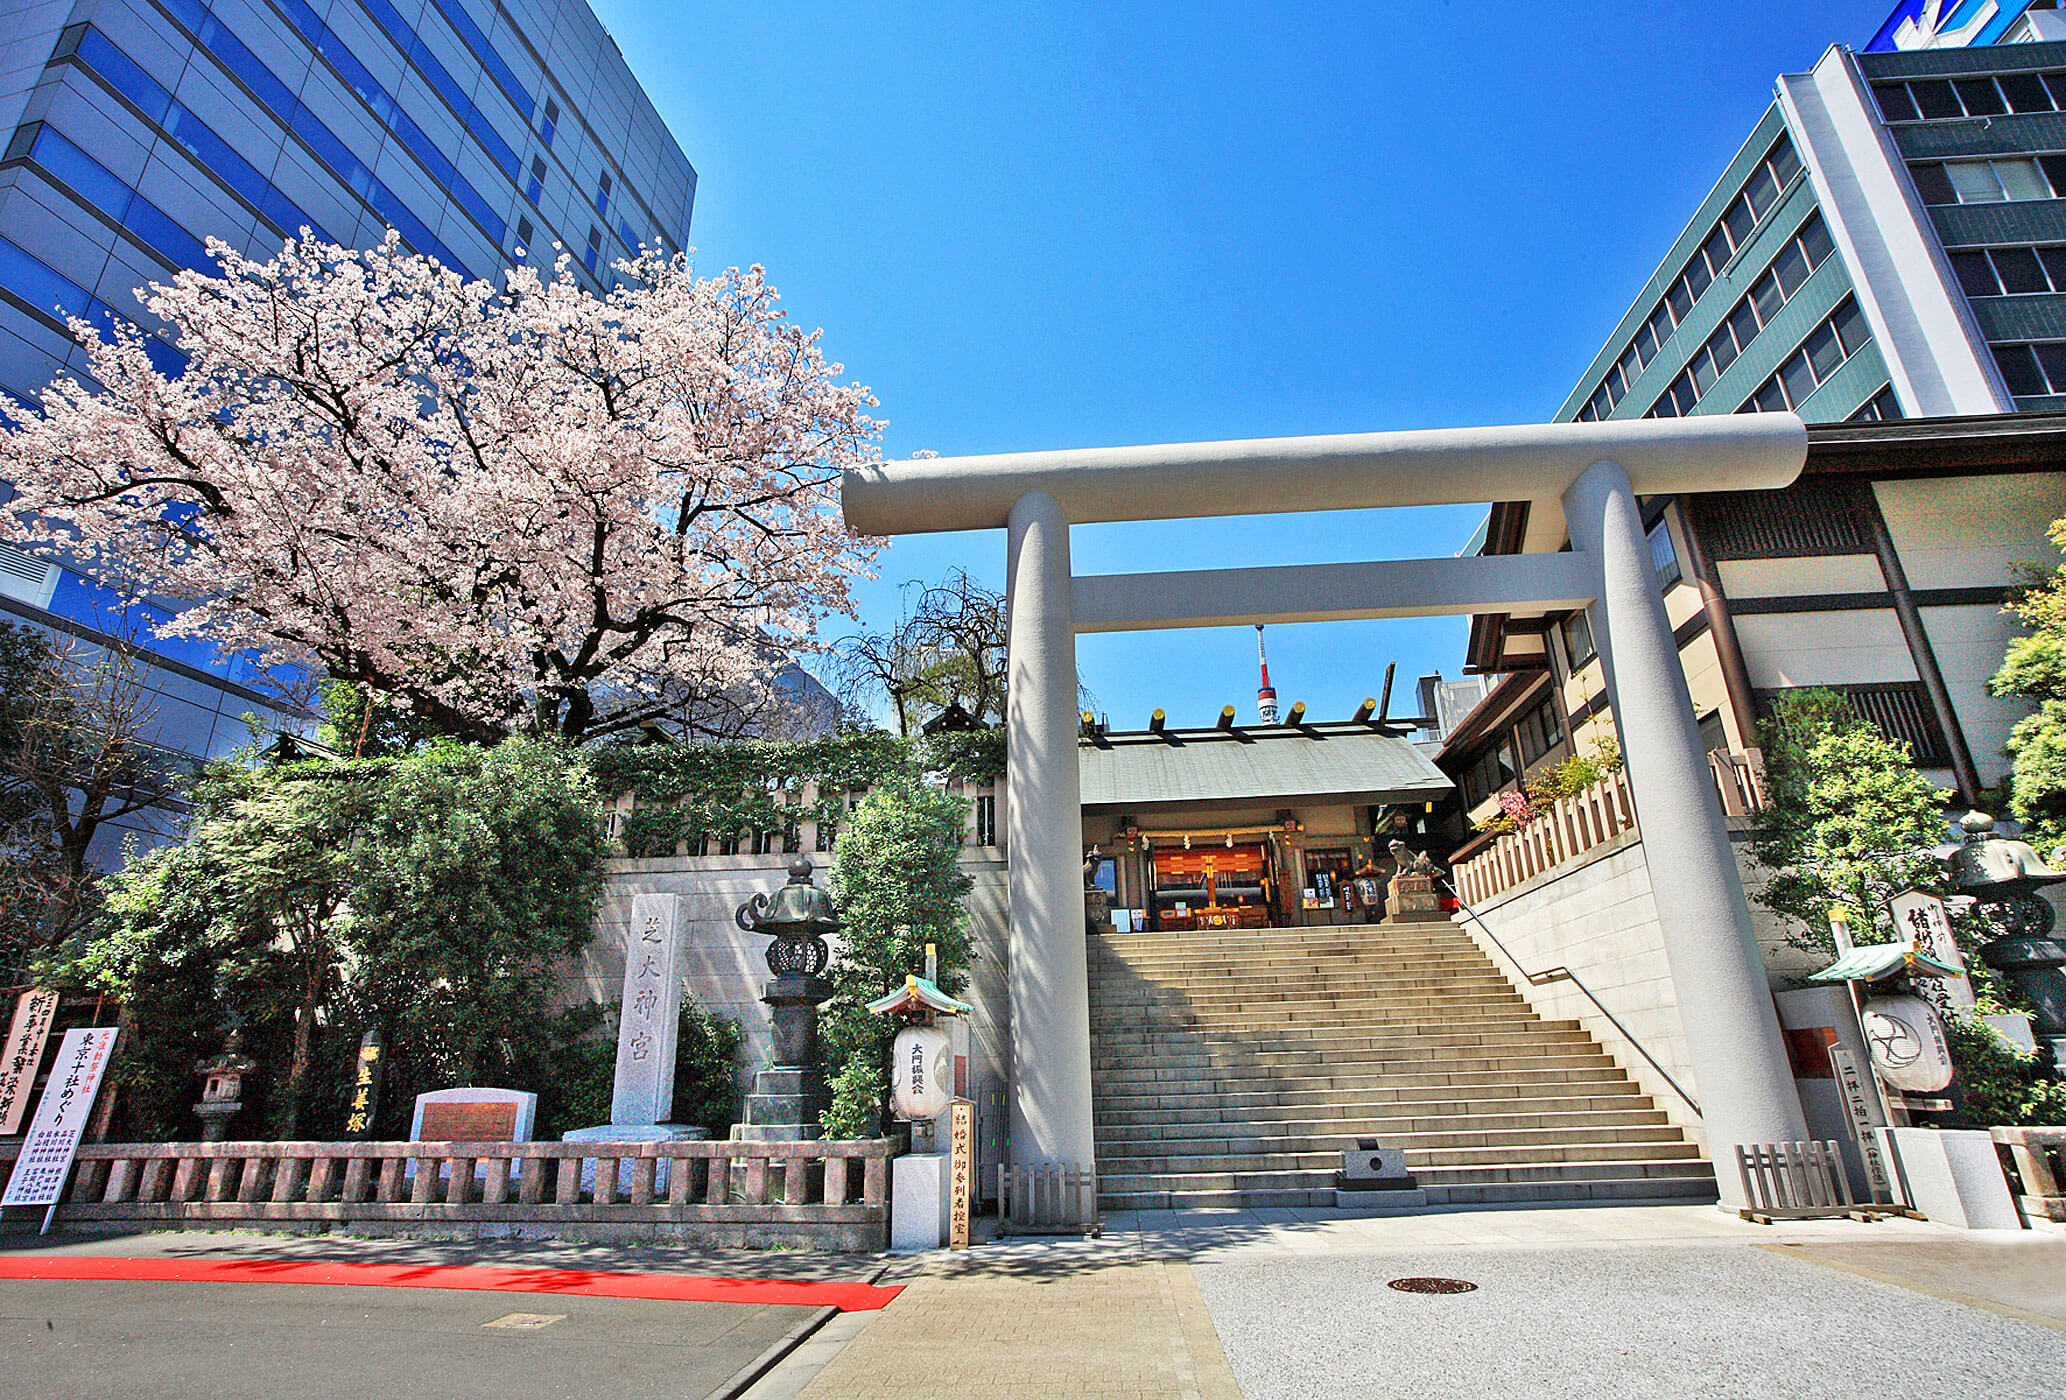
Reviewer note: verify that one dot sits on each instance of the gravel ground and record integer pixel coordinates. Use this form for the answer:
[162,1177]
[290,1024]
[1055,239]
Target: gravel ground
[1637,1322]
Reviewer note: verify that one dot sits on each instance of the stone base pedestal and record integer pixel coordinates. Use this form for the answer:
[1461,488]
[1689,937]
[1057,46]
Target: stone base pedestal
[633,1132]
[786,1105]
[1411,899]
[921,1201]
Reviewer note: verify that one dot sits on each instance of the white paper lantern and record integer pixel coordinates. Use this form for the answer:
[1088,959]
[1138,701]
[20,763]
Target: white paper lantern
[1908,1046]
[921,1072]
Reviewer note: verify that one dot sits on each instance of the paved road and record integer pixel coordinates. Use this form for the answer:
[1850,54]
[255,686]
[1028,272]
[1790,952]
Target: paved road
[153,1341]
[165,1340]
[1638,1322]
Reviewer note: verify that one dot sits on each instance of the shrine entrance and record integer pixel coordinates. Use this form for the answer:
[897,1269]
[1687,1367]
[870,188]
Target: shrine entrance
[1589,473]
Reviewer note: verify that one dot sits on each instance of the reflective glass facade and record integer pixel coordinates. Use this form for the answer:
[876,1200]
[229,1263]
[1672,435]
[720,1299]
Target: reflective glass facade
[134,130]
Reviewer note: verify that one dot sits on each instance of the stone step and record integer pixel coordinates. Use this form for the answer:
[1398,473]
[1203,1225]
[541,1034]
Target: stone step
[1435,1087]
[1294,1051]
[1375,1119]
[1299,1037]
[1337,1073]
[1509,1173]
[1114,1150]
[1698,1186]
[1418,1155]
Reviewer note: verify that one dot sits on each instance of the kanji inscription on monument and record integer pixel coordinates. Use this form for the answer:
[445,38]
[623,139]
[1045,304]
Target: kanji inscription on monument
[649,1021]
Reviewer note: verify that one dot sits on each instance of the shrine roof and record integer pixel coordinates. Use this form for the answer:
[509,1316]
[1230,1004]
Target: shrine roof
[1347,762]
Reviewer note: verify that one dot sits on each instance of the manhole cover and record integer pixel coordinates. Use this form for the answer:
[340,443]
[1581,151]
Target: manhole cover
[1433,1285]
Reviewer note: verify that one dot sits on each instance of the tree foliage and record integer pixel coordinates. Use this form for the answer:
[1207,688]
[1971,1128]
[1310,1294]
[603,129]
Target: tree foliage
[2034,668]
[1848,823]
[948,648]
[72,760]
[900,886]
[524,508]
[433,897]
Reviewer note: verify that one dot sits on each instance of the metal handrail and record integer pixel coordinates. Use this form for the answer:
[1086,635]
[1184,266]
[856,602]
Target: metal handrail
[1565,974]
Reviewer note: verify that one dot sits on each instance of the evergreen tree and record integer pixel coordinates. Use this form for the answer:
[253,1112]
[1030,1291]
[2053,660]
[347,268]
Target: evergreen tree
[900,886]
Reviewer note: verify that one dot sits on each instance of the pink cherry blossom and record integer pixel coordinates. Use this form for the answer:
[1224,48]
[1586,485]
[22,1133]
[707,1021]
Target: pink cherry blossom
[519,508]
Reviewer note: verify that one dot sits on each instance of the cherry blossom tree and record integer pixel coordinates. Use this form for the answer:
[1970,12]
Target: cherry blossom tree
[524,508]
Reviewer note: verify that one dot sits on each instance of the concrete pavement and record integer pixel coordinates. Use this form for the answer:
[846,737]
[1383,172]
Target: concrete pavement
[1602,1301]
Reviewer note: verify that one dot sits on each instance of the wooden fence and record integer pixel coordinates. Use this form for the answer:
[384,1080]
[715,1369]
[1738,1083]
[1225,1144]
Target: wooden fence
[1573,825]
[827,1194]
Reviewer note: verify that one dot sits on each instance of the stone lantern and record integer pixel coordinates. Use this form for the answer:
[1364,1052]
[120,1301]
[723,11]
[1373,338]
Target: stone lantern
[222,1087]
[789,1096]
[2004,877]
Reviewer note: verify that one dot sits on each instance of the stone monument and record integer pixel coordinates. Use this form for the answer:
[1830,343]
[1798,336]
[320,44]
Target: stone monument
[648,1025]
[789,1097]
[222,1087]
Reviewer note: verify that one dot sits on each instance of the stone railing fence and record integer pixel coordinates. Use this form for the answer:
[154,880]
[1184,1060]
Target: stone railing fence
[827,1195]
[1571,826]
[983,827]
[2038,1159]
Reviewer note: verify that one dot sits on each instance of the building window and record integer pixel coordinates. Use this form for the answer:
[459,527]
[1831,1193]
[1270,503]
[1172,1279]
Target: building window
[549,124]
[1899,711]
[1539,731]
[535,186]
[986,819]
[1988,181]
[1488,775]
[524,232]
[1996,272]
[1939,99]
[2031,370]
[1577,630]
[602,197]
[1824,352]
[1738,221]
[1883,408]
[595,248]
[1663,557]
[1759,195]
[1773,289]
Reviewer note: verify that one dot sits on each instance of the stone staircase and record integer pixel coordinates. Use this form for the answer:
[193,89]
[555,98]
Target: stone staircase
[1232,1068]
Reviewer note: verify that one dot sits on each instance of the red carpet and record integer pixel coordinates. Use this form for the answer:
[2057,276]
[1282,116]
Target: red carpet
[669,1288]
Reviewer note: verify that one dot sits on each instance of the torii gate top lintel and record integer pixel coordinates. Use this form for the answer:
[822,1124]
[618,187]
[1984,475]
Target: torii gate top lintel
[1441,466]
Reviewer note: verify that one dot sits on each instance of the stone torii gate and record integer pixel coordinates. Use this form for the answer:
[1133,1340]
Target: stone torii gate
[1591,472]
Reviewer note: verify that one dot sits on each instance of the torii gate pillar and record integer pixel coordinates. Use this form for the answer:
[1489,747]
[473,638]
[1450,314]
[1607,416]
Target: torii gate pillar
[1050,978]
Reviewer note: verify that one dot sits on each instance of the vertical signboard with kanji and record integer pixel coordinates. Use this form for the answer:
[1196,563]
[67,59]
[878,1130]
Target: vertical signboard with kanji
[1861,1110]
[46,1155]
[365,1100]
[962,1168]
[648,1025]
[1924,924]
[33,1012]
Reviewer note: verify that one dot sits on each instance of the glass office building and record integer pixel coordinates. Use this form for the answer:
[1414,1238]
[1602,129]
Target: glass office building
[136,129]
[1890,242]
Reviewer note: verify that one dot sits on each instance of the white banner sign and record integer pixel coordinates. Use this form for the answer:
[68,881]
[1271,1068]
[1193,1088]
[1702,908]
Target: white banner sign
[1923,923]
[33,1012]
[46,1157]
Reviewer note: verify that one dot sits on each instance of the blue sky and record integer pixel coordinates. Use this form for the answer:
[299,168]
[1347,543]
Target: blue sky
[1030,226]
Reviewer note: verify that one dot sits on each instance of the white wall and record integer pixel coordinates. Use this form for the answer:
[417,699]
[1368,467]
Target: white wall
[1596,917]
[724,967]
[1966,531]
[1783,650]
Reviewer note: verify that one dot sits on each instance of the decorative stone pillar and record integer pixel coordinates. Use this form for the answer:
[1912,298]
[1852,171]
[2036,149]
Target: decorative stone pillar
[1745,1083]
[1050,987]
